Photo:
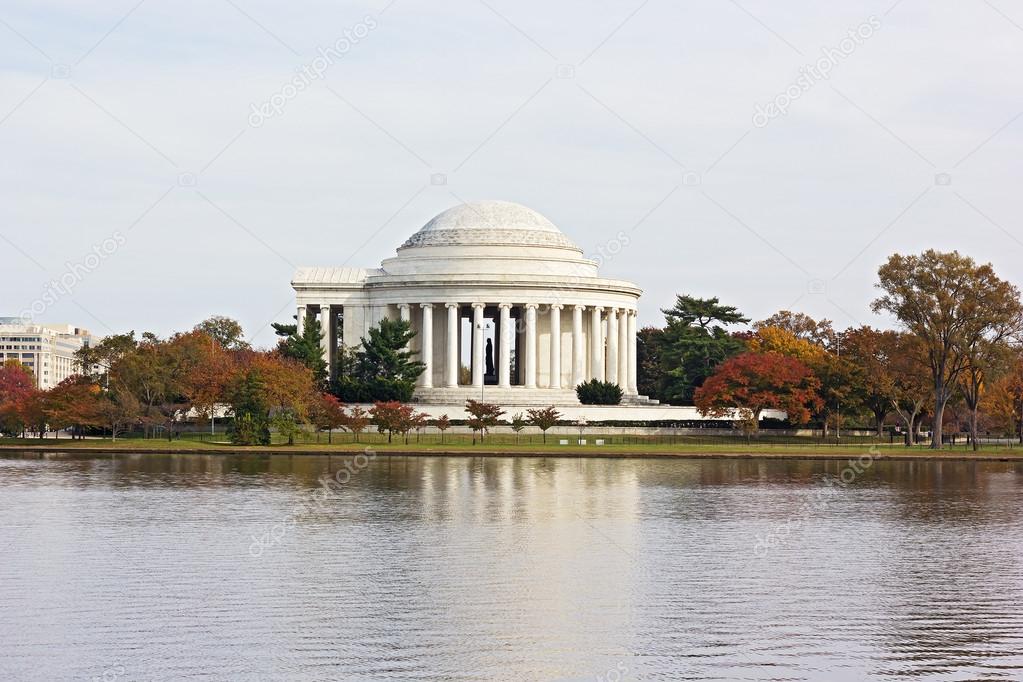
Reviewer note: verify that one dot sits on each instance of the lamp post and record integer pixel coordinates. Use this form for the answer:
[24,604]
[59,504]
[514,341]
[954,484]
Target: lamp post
[838,409]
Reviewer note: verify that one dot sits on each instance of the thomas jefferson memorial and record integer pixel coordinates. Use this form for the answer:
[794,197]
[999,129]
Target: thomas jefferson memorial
[503,304]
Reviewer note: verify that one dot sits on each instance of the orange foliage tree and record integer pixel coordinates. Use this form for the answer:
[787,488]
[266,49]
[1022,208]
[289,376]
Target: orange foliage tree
[754,382]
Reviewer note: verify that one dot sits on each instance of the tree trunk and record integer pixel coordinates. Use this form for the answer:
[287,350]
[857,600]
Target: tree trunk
[330,436]
[973,427]
[939,414]
[911,427]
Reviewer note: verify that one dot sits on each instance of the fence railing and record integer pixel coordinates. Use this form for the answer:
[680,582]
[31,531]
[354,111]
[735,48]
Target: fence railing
[432,437]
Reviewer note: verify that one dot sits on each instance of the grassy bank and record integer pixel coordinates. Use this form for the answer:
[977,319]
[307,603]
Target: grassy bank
[502,447]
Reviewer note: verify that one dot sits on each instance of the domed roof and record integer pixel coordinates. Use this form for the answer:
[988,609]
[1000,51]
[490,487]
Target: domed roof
[490,223]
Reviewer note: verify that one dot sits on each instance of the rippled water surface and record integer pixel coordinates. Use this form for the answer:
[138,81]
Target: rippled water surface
[157,567]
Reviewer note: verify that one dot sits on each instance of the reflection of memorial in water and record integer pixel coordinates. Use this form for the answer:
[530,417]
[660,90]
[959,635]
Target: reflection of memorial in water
[516,568]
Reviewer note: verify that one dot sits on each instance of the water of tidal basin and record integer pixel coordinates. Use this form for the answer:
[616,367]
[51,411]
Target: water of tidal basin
[157,567]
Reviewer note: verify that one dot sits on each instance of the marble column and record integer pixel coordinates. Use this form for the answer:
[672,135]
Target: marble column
[555,381]
[578,360]
[300,319]
[325,329]
[504,349]
[451,366]
[633,364]
[477,344]
[405,315]
[529,366]
[623,349]
[596,345]
[611,374]
[426,345]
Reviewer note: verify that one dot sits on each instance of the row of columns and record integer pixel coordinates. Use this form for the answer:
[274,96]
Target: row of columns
[617,356]
[611,358]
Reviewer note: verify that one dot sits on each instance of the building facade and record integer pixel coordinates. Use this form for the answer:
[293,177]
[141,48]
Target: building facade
[502,302]
[48,350]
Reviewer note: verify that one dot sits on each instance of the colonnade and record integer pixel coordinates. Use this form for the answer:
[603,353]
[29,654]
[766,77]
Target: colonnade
[606,352]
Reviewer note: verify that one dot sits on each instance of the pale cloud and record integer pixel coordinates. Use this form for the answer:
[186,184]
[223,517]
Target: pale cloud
[799,213]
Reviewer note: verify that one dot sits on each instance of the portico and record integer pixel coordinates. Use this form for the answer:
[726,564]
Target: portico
[502,303]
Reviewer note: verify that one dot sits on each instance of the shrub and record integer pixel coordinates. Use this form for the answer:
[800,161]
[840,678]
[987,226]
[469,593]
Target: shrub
[594,392]
[248,429]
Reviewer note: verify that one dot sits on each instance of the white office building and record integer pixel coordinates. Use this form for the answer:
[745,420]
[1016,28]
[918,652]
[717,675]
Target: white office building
[47,349]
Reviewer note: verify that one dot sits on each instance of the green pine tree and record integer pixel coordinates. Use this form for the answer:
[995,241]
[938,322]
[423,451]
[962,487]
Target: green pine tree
[383,368]
[694,343]
[305,347]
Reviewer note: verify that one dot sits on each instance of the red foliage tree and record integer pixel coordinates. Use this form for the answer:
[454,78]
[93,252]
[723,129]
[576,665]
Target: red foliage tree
[356,421]
[443,423]
[327,412]
[18,395]
[75,403]
[754,382]
[391,416]
[482,416]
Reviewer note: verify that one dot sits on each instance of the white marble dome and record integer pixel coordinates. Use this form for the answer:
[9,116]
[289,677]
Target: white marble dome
[492,223]
[488,274]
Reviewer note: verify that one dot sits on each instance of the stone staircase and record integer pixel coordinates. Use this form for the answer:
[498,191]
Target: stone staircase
[514,396]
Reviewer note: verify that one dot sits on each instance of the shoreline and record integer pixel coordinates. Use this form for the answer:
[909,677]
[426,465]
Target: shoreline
[533,454]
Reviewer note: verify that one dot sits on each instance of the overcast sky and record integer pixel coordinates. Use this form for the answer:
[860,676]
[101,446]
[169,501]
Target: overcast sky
[127,132]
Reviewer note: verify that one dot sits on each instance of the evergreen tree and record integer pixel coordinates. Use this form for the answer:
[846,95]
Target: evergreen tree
[384,368]
[305,347]
[248,403]
[694,343]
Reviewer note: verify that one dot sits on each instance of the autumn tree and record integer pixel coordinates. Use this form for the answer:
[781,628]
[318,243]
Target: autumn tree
[391,416]
[17,394]
[985,360]
[802,326]
[326,412]
[75,404]
[911,386]
[417,422]
[442,424]
[838,379]
[518,425]
[544,418]
[1005,404]
[262,387]
[482,416]
[951,304]
[96,359]
[779,340]
[356,421]
[872,351]
[754,382]
[225,331]
[31,410]
[119,410]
